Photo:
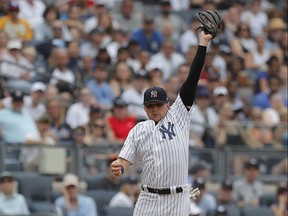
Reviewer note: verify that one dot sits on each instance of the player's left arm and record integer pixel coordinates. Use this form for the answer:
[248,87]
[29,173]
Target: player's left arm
[188,89]
[119,166]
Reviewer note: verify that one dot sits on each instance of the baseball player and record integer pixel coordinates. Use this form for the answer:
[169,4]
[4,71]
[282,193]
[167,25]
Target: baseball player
[161,146]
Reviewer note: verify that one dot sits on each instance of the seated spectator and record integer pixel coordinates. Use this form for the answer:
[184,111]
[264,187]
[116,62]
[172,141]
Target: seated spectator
[14,26]
[11,202]
[120,122]
[248,190]
[16,69]
[15,122]
[100,88]
[201,169]
[205,201]
[280,208]
[73,203]
[225,193]
[32,103]
[126,196]
[221,211]
[109,181]
[56,114]
[3,44]
[30,156]
[78,113]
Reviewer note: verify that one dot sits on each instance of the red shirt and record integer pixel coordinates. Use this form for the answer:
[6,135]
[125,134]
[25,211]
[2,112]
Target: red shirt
[122,127]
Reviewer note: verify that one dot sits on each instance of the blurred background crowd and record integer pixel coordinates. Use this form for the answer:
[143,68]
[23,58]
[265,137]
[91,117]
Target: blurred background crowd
[73,74]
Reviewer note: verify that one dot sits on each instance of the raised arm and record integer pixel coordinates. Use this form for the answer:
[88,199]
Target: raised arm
[188,89]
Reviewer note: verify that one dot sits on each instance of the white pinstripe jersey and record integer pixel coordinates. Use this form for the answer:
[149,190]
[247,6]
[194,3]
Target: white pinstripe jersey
[161,149]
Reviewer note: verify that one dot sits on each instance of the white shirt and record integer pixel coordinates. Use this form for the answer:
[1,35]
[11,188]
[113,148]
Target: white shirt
[33,13]
[14,205]
[135,102]
[220,64]
[257,21]
[66,76]
[188,39]
[35,112]
[121,200]
[161,147]
[197,124]
[168,66]
[77,115]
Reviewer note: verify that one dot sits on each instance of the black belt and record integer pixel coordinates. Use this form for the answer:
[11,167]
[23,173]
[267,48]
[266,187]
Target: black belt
[162,190]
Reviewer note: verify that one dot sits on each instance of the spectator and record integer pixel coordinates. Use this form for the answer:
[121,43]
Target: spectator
[15,122]
[167,59]
[205,201]
[220,96]
[74,24]
[221,211]
[280,207]
[248,190]
[128,18]
[122,79]
[78,113]
[99,133]
[3,44]
[30,156]
[120,122]
[225,193]
[100,88]
[11,202]
[200,169]
[126,196]
[204,118]
[148,37]
[276,33]
[109,181]
[120,39]
[189,38]
[56,114]
[32,11]
[255,17]
[16,70]
[134,97]
[73,203]
[14,26]
[44,32]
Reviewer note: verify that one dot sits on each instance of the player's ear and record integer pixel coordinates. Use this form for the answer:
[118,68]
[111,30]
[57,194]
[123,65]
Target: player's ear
[168,105]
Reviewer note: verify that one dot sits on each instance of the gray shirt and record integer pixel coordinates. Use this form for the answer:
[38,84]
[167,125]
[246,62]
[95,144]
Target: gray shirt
[14,205]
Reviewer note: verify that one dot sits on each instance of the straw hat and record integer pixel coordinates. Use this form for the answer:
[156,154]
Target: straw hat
[276,23]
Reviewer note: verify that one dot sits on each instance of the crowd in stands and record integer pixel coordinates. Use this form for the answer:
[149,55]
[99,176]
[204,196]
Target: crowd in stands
[74,72]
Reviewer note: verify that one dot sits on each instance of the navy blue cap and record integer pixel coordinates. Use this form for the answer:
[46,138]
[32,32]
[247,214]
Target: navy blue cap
[17,95]
[199,183]
[202,92]
[252,163]
[227,184]
[129,180]
[118,102]
[155,94]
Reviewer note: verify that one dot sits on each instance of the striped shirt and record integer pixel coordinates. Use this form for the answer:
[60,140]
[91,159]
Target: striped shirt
[161,149]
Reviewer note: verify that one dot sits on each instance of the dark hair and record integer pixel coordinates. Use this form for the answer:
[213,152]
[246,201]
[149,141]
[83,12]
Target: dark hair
[49,9]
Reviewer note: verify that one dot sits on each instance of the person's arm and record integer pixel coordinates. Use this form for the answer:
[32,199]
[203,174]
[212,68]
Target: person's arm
[188,89]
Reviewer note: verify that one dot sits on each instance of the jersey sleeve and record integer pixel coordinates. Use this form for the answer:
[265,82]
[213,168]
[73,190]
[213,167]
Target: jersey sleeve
[128,151]
[180,112]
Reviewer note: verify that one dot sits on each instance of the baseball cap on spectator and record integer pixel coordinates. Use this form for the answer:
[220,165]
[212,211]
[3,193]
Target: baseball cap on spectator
[155,94]
[94,108]
[118,102]
[38,86]
[148,19]
[13,6]
[14,44]
[202,92]
[199,182]
[6,174]
[70,179]
[140,76]
[220,91]
[165,2]
[276,23]
[282,188]
[252,163]
[227,184]
[97,30]
[17,95]
[196,168]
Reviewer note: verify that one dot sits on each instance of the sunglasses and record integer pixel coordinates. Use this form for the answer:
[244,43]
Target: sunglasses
[98,126]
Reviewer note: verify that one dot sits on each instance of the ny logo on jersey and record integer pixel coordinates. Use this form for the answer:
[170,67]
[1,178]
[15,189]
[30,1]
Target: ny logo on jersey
[153,94]
[169,131]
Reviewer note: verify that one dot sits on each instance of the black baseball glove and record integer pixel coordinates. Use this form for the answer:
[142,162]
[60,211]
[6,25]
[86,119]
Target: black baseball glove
[211,22]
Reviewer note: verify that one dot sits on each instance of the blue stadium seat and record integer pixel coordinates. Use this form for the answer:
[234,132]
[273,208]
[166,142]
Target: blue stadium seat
[119,211]
[257,211]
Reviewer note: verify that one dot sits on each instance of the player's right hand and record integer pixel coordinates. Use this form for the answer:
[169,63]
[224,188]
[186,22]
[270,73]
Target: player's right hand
[116,167]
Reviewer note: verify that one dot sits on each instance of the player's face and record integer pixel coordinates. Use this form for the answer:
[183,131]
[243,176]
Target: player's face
[156,111]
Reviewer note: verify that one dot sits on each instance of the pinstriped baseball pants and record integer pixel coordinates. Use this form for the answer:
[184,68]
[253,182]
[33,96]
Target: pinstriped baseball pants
[150,204]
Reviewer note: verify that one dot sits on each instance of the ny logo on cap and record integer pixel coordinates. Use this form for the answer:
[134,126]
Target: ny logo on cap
[154,94]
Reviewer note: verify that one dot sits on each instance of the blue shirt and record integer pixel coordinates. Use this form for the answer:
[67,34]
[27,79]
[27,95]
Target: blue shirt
[16,125]
[102,93]
[15,205]
[152,44]
[86,206]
